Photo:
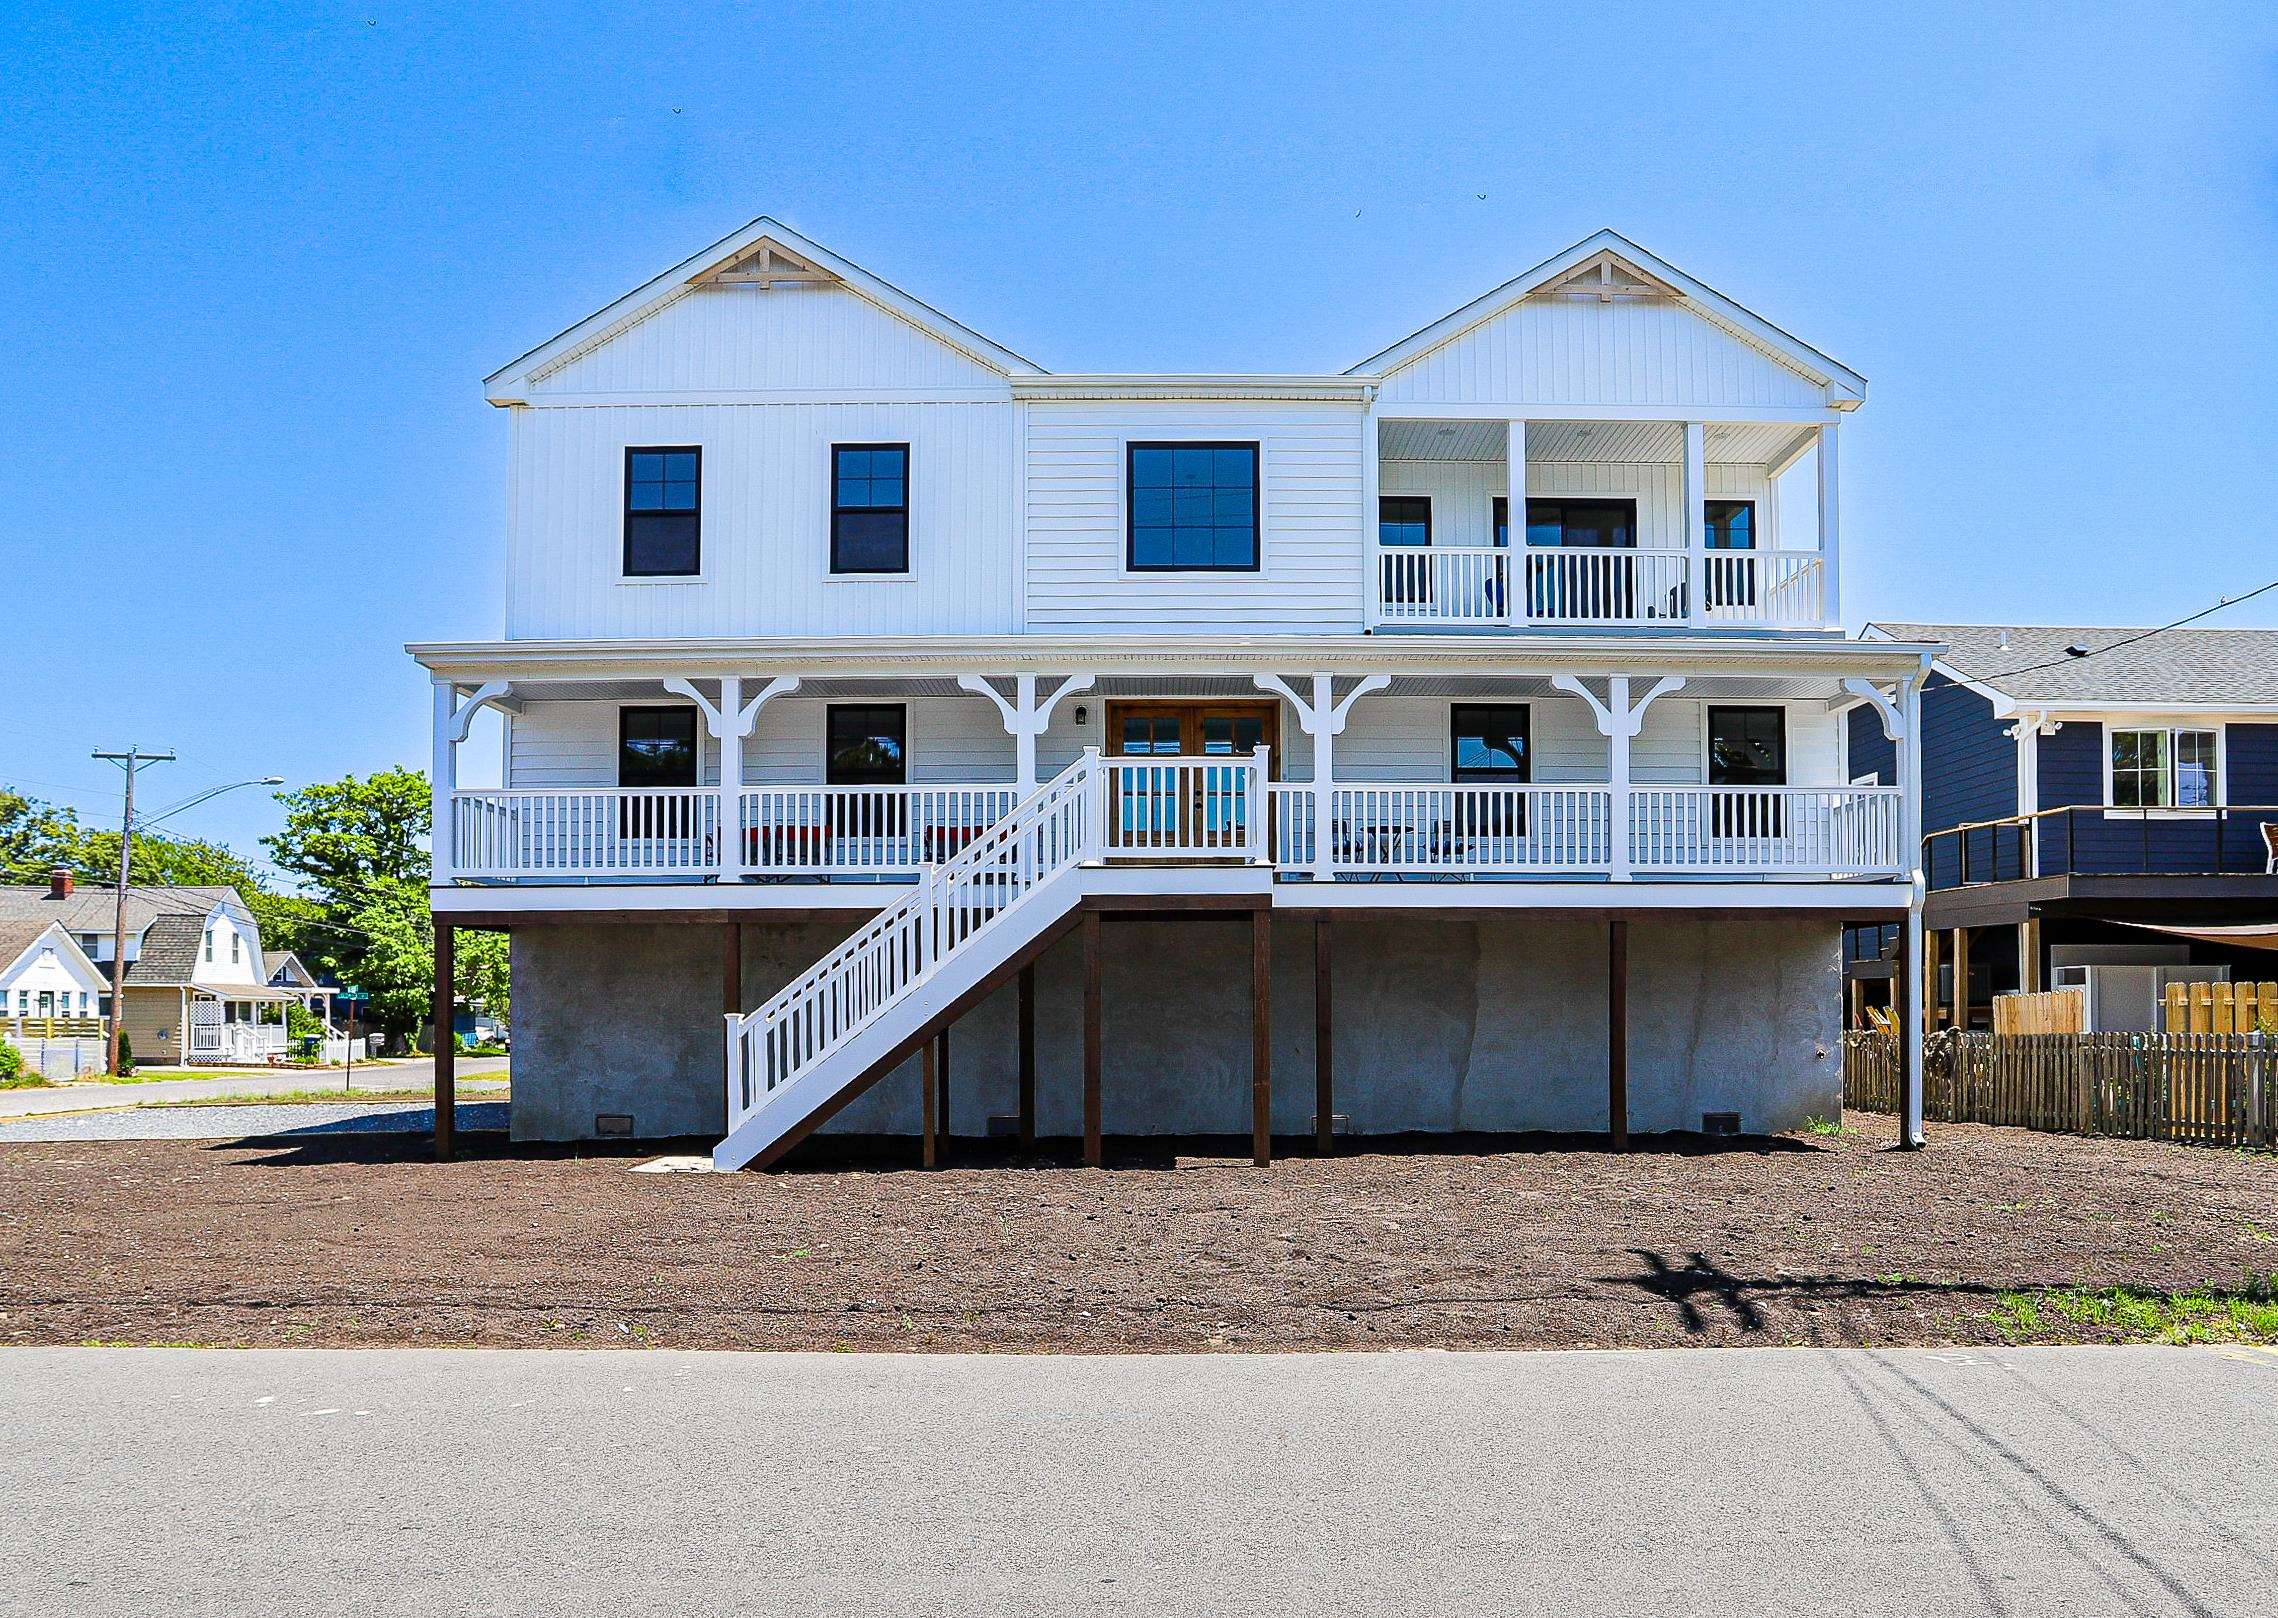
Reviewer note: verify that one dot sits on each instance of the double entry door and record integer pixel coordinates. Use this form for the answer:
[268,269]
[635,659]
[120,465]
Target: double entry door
[1196,807]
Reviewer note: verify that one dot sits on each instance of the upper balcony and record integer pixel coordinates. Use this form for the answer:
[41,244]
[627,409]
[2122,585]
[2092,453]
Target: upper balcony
[1655,524]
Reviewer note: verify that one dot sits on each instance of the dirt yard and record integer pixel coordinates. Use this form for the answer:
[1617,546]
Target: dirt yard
[1498,1244]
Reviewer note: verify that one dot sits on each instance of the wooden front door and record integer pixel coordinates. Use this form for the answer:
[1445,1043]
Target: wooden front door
[1204,806]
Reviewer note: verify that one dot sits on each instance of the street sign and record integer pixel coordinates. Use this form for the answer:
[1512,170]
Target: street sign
[349,991]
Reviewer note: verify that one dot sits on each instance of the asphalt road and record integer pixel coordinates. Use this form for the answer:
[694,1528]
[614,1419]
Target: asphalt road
[1708,1482]
[95,1096]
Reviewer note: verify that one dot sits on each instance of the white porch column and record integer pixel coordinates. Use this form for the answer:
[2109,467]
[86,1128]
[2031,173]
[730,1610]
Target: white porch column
[1323,719]
[442,783]
[1619,721]
[1696,521]
[1515,522]
[1025,717]
[1830,531]
[730,720]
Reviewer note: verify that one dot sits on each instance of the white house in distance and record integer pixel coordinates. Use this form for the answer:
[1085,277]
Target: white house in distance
[197,988]
[867,684]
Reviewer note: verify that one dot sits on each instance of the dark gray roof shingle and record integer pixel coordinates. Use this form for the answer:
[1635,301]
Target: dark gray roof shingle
[2189,667]
[89,909]
[169,952]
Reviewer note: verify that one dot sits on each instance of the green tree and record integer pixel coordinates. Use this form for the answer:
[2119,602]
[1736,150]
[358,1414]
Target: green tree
[345,839]
[397,966]
[36,837]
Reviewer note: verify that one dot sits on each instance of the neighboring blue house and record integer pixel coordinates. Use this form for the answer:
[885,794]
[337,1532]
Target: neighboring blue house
[2094,801]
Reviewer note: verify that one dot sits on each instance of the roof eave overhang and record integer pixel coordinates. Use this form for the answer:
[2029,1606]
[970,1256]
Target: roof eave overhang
[1141,385]
[888,657]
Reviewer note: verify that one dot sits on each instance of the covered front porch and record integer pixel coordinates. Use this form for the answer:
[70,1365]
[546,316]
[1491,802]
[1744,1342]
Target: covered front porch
[1402,762]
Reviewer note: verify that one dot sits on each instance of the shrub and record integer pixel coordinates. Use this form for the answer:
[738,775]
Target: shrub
[11,1062]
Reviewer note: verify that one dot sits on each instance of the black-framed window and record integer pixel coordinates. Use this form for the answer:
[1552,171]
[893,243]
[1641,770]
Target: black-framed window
[870,508]
[866,744]
[656,747]
[1730,524]
[1747,747]
[663,515]
[1191,507]
[1404,519]
[1500,522]
[1489,745]
[1599,524]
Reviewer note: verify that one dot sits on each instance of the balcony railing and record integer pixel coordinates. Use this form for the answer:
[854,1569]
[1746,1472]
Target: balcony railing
[2104,840]
[1179,809]
[1455,587]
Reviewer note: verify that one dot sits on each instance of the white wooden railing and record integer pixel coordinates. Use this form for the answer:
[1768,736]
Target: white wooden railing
[854,831]
[610,831]
[1185,808]
[1468,586]
[1178,809]
[1799,831]
[908,942]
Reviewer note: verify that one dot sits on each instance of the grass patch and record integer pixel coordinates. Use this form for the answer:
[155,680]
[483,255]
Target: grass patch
[2247,1313]
[486,1088]
[28,1081]
[1827,1126]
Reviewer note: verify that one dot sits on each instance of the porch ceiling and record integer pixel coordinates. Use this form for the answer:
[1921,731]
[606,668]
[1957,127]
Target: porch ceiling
[1747,443]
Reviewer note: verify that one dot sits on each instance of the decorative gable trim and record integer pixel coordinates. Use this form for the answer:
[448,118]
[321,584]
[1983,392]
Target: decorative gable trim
[762,254]
[1611,266]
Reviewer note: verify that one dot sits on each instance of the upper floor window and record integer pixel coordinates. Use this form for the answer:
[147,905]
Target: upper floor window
[662,496]
[1488,743]
[1731,524]
[1601,524]
[236,948]
[870,508]
[209,946]
[1192,507]
[2166,769]
[1404,519]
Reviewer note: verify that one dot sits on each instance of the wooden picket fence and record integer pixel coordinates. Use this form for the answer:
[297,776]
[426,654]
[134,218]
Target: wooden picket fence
[2200,1089]
[2220,1008]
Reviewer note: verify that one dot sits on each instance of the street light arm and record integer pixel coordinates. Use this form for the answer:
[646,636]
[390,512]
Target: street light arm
[214,792]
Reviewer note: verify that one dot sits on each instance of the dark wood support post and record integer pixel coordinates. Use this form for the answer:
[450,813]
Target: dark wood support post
[1261,1036]
[1028,1058]
[1324,1094]
[446,1046]
[941,1081]
[1091,1039]
[1617,1031]
[1961,953]
[731,974]
[929,1101]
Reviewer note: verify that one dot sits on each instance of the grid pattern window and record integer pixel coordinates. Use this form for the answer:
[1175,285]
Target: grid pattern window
[1488,742]
[656,747]
[870,508]
[662,518]
[867,744]
[1192,507]
[1404,519]
[2166,769]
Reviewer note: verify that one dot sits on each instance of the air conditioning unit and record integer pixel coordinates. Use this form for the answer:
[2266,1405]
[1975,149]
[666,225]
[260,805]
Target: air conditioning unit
[2126,999]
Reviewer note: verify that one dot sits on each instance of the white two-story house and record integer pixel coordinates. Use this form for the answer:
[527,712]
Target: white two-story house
[902,735]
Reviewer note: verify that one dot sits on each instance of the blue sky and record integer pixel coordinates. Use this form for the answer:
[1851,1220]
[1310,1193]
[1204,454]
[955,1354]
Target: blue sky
[254,263]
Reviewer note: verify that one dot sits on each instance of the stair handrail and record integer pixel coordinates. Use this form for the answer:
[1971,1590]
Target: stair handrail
[906,943]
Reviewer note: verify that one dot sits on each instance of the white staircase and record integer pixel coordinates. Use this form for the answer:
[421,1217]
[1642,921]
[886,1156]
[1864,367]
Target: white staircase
[867,1000]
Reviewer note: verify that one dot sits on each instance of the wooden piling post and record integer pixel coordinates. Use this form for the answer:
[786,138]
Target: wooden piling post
[446,1045]
[1028,1058]
[1091,1039]
[1617,1031]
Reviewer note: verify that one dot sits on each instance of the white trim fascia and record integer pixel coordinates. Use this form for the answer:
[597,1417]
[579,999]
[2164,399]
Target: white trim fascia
[1199,386]
[510,384]
[1845,386]
[888,656]
[71,952]
[1553,410]
[670,397]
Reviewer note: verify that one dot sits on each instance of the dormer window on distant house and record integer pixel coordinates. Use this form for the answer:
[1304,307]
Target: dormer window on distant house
[662,517]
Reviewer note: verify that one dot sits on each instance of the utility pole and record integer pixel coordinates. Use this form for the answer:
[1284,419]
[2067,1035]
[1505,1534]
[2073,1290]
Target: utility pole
[130,761]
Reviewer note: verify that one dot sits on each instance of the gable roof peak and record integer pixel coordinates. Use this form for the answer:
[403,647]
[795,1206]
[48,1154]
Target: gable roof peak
[762,253]
[1642,273]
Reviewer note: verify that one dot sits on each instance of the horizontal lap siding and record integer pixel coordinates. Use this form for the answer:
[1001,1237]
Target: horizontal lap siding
[1969,773]
[766,522]
[574,744]
[1873,755]
[2072,772]
[1310,503]
[1463,494]
[1568,351]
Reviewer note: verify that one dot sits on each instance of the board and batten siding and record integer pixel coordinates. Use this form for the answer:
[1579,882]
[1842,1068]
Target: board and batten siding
[1309,466]
[792,337]
[766,498]
[574,744]
[1463,495]
[1556,350]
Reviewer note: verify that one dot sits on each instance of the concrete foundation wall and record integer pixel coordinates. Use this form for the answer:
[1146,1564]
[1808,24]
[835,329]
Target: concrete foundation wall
[1443,1022]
